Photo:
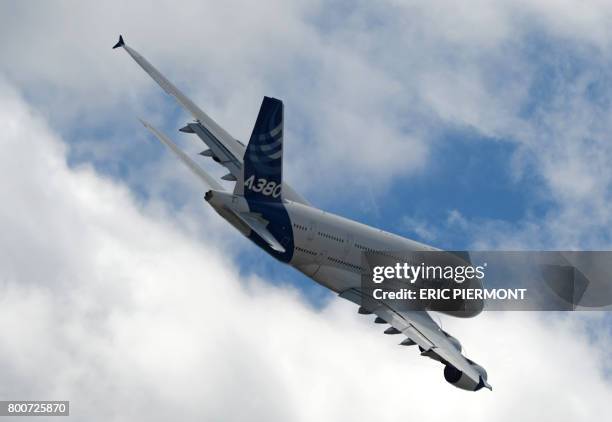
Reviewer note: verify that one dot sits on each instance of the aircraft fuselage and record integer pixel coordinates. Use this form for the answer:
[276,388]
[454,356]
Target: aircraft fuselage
[323,246]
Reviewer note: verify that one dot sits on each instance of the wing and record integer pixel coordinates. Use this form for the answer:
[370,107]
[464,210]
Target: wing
[224,149]
[217,131]
[423,331]
[205,177]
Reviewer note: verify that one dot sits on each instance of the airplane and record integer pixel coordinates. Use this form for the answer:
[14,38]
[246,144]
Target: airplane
[325,247]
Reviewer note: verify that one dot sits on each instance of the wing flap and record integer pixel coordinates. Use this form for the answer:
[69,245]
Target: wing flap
[219,150]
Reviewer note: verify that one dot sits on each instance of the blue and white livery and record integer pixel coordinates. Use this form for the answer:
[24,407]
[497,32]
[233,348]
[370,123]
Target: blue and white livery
[323,246]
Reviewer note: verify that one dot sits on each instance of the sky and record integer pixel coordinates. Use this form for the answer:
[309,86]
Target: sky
[475,125]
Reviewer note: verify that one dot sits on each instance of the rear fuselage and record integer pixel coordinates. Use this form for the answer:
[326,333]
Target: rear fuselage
[325,247]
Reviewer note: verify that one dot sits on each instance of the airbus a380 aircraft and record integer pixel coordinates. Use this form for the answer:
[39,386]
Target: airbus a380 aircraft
[325,247]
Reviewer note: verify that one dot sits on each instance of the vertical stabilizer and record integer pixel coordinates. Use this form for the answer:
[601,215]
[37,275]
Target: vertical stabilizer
[262,171]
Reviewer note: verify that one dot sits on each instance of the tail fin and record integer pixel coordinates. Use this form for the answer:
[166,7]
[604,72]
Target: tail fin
[262,170]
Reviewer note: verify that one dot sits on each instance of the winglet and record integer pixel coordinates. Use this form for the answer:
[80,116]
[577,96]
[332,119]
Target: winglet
[120,43]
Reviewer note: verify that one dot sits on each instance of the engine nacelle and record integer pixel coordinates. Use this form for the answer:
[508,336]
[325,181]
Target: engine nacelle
[457,378]
[456,343]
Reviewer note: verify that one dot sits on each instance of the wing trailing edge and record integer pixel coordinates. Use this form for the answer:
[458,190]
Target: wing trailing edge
[197,170]
[227,150]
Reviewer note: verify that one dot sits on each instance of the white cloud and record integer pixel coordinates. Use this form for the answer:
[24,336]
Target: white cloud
[119,309]
[105,297]
[420,227]
[367,86]
[226,56]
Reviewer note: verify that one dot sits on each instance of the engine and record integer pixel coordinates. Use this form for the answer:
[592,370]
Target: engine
[457,378]
[456,343]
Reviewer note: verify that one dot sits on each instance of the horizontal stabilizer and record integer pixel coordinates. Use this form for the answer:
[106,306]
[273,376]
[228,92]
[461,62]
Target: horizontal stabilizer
[258,225]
